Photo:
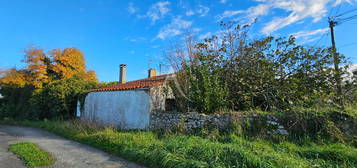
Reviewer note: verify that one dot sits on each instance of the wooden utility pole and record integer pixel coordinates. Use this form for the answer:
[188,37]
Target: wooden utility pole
[336,61]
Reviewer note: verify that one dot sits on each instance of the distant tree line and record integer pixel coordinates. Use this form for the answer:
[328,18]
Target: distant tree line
[230,71]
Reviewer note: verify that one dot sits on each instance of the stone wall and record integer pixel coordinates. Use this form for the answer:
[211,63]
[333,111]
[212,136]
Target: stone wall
[190,120]
[252,123]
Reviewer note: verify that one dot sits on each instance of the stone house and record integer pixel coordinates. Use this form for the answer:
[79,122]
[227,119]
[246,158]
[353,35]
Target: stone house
[128,105]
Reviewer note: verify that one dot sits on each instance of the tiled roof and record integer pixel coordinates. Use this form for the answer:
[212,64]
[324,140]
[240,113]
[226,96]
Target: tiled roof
[137,84]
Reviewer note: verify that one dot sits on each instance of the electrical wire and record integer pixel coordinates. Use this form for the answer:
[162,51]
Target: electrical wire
[318,41]
[346,45]
[344,13]
[338,9]
[331,11]
[343,20]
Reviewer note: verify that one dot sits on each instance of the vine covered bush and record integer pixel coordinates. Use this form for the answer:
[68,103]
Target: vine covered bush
[230,71]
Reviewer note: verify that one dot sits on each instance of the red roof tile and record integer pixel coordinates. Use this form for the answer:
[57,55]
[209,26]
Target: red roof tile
[137,84]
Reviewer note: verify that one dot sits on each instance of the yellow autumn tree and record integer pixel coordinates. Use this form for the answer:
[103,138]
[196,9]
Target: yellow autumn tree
[42,69]
[90,76]
[37,65]
[68,62]
[13,77]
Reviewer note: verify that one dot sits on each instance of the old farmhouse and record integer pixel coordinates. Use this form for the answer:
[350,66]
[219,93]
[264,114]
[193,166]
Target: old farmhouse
[128,105]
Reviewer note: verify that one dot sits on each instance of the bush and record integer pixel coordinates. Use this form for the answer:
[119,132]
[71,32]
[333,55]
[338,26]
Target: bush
[15,103]
[56,100]
[59,99]
[231,71]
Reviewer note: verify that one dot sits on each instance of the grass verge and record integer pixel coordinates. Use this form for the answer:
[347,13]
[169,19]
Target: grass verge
[31,154]
[168,150]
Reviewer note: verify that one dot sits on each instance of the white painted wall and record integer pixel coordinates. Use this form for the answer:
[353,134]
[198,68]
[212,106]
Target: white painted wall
[1,95]
[123,109]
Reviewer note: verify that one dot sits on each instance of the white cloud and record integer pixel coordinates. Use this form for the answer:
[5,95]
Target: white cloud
[195,30]
[175,28]
[353,67]
[305,34]
[136,39]
[158,11]
[228,14]
[297,11]
[259,10]
[204,36]
[337,2]
[223,1]
[189,13]
[202,10]
[350,69]
[131,8]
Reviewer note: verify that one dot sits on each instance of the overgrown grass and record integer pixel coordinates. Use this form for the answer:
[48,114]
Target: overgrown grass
[31,154]
[169,150]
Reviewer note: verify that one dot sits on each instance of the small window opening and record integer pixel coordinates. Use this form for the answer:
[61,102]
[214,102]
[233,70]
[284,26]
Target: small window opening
[170,104]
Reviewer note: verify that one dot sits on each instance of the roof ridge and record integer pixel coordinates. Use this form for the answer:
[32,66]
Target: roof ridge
[136,84]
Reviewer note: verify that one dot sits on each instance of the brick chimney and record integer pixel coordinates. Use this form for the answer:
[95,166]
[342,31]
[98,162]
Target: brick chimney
[122,74]
[152,72]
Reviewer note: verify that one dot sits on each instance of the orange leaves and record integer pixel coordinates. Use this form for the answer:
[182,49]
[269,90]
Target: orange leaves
[13,77]
[68,62]
[90,76]
[43,68]
[37,65]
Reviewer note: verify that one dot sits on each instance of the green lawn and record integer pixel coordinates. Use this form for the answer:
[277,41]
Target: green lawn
[169,150]
[31,154]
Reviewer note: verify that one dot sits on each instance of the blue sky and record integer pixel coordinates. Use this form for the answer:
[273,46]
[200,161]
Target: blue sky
[112,32]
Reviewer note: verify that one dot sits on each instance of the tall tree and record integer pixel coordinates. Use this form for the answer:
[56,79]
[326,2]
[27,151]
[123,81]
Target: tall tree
[68,62]
[37,65]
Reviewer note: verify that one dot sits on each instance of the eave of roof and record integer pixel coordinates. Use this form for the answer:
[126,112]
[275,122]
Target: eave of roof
[137,84]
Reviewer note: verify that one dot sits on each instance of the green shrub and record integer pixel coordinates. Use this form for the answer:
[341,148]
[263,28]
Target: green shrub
[15,103]
[56,100]
[59,99]
[235,72]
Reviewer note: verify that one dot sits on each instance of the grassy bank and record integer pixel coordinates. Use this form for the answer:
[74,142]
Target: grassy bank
[31,154]
[155,149]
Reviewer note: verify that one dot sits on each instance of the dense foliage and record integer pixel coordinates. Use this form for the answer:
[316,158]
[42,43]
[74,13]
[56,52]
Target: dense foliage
[59,99]
[232,72]
[48,87]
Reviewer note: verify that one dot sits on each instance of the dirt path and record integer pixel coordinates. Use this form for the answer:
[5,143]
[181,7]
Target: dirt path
[68,153]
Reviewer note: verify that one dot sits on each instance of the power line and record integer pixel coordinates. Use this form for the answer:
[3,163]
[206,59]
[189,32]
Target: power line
[348,44]
[323,36]
[338,10]
[344,13]
[331,11]
[343,20]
